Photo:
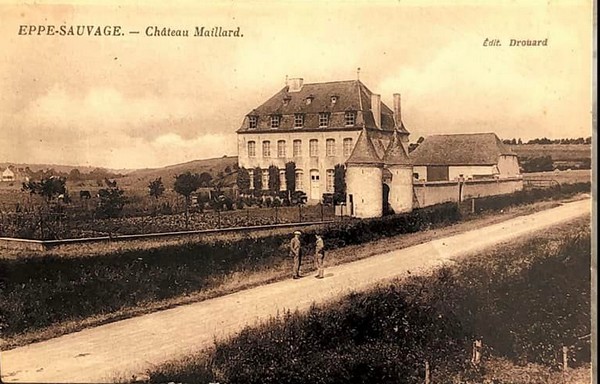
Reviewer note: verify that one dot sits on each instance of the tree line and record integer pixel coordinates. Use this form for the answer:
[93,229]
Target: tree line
[545,140]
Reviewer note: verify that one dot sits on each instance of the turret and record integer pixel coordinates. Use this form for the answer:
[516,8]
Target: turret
[364,172]
[398,163]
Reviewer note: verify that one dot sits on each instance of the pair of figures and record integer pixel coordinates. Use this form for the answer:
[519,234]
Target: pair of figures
[296,253]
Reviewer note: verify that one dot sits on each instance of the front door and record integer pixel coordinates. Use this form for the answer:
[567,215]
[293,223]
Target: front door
[315,185]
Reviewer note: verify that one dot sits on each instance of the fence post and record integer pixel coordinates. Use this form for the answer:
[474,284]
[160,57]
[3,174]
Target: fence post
[275,214]
[427,373]
[322,214]
[473,205]
[218,218]
[299,213]
[565,357]
[476,356]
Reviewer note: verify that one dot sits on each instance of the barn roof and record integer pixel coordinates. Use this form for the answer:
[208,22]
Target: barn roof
[350,95]
[460,149]
[364,152]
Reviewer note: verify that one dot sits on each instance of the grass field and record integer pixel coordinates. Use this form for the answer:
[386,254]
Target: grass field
[558,152]
[524,300]
[561,177]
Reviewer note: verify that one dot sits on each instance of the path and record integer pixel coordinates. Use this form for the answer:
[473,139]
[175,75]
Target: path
[129,347]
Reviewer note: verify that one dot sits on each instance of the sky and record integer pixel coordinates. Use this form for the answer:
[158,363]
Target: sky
[138,101]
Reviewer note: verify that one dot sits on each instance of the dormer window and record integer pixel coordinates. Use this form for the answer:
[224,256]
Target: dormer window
[298,120]
[334,99]
[309,99]
[350,118]
[275,121]
[252,122]
[323,120]
[286,100]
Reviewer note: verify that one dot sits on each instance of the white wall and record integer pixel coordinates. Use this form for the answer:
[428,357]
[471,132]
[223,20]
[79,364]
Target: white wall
[401,188]
[305,163]
[508,166]
[365,185]
[468,171]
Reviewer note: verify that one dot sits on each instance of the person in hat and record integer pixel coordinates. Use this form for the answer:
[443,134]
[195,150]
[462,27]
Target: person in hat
[319,256]
[295,252]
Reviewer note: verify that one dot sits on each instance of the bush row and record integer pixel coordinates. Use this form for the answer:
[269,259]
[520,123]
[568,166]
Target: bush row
[525,302]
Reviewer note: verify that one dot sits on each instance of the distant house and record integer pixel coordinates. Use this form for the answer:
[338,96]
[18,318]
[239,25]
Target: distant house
[8,175]
[469,156]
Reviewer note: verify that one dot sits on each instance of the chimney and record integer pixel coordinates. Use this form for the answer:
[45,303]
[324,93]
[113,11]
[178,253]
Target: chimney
[295,84]
[376,109]
[397,110]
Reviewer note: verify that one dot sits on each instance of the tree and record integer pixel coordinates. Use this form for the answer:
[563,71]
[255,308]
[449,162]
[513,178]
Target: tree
[290,177]
[257,179]
[49,188]
[205,179]
[186,184]
[339,184]
[75,175]
[520,142]
[227,170]
[243,180]
[274,181]
[156,188]
[112,200]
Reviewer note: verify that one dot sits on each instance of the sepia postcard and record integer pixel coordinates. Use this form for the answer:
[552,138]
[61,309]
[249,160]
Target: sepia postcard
[298,191]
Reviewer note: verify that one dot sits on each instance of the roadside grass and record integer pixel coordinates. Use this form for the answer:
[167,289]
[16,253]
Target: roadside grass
[193,280]
[525,300]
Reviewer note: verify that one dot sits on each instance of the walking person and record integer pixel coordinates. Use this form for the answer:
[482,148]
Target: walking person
[295,252]
[319,256]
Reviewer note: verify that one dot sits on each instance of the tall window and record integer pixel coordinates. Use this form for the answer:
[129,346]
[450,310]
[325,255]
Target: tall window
[251,175]
[330,147]
[281,148]
[329,180]
[298,120]
[299,180]
[313,148]
[266,149]
[297,148]
[347,147]
[323,120]
[252,122]
[251,149]
[282,186]
[350,118]
[275,120]
[265,179]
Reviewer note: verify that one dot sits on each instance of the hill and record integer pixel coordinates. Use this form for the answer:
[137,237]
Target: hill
[62,168]
[558,152]
[141,177]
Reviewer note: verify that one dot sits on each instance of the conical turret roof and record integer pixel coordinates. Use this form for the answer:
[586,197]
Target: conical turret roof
[364,152]
[395,154]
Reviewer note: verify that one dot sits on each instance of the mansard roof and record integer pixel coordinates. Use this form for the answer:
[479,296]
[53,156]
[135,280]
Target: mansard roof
[350,96]
[460,149]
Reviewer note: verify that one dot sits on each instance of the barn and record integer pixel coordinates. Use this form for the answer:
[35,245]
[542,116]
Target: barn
[472,156]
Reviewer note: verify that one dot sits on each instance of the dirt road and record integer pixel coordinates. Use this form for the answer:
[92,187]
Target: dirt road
[126,348]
